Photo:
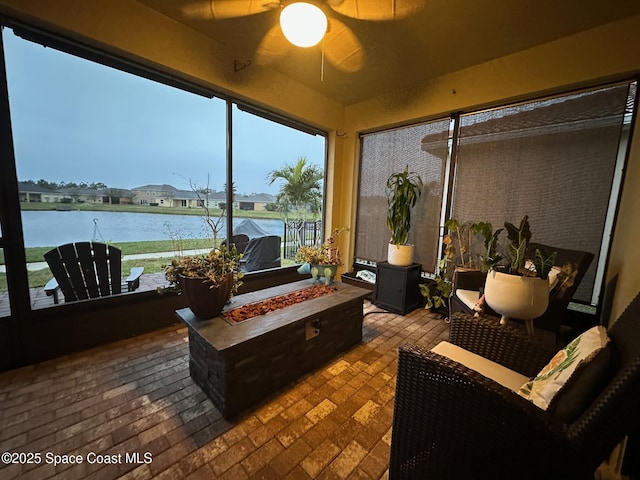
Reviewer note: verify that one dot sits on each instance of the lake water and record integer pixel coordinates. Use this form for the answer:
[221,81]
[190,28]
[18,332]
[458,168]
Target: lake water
[52,228]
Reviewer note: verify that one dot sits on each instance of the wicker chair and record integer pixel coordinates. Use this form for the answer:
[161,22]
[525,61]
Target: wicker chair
[451,422]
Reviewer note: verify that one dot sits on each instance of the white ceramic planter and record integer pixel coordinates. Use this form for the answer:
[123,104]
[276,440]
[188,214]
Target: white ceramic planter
[400,255]
[514,296]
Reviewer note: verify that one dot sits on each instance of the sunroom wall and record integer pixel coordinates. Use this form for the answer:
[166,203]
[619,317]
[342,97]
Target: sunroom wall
[589,58]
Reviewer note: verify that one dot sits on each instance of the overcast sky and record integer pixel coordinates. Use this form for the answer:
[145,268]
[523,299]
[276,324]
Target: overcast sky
[78,121]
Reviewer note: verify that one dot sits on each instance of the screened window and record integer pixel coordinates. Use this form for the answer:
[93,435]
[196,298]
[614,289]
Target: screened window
[271,163]
[424,149]
[110,156]
[554,160]
[558,160]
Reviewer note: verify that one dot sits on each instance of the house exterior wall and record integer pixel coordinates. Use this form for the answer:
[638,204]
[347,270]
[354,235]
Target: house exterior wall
[97,199]
[43,197]
[151,197]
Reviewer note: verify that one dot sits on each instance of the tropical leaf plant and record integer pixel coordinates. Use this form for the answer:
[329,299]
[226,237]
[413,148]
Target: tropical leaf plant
[403,190]
[544,261]
[519,238]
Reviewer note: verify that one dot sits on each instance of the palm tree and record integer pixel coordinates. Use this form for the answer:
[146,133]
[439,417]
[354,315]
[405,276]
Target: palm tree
[301,189]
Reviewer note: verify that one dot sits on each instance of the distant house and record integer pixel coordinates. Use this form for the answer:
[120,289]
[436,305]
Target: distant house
[186,199]
[191,199]
[108,196]
[256,201]
[160,195]
[116,196]
[30,192]
[83,195]
[169,196]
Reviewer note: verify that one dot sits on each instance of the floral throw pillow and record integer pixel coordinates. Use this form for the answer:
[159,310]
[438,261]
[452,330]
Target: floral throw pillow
[542,389]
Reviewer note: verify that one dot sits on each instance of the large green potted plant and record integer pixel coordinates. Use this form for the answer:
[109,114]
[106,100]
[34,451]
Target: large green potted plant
[403,190]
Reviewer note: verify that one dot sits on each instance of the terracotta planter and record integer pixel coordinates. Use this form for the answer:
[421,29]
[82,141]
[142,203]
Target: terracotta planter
[514,296]
[204,301]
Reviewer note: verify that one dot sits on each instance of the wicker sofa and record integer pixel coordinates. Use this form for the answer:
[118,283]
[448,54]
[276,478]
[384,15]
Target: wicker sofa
[451,422]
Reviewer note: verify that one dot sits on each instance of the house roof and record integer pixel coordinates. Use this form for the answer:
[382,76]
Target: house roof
[82,191]
[256,197]
[156,188]
[28,187]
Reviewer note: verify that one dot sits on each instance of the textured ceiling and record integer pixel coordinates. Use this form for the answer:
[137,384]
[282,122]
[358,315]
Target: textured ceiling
[366,58]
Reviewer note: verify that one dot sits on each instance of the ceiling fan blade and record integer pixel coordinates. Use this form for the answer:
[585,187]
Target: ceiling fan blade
[342,48]
[221,9]
[377,9]
[273,47]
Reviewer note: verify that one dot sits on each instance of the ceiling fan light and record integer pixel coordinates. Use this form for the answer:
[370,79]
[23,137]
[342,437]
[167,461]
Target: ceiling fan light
[303,24]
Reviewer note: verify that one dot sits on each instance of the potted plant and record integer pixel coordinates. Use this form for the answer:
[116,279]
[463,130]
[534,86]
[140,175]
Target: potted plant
[207,280]
[403,190]
[464,250]
[520,289]
[321,260]
[437,292]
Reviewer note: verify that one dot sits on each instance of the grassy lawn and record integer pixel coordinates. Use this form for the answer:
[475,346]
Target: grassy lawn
[36,254]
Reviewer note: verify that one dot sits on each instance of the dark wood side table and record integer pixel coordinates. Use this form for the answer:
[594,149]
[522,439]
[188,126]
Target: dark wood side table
[397,288]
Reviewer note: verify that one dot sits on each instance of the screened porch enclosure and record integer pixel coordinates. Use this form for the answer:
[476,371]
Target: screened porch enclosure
[558,160]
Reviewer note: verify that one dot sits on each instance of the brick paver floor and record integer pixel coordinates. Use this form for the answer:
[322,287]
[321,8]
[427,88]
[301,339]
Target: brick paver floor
[130,410]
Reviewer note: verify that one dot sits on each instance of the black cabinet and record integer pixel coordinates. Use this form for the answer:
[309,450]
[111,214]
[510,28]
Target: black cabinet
[397,288]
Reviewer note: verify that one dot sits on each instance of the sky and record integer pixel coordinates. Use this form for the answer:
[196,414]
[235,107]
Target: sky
[79,121]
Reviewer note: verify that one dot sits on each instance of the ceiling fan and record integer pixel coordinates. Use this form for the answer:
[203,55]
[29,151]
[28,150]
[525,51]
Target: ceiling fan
[310,22]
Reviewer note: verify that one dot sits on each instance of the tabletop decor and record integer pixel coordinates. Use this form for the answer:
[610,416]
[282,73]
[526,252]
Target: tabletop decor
[262,307]
[322,261]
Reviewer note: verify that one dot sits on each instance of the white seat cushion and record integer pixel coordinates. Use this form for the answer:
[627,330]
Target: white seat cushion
[468,297]
[498,373]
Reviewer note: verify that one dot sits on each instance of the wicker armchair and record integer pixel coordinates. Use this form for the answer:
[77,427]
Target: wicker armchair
[451,422]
